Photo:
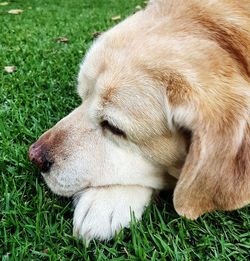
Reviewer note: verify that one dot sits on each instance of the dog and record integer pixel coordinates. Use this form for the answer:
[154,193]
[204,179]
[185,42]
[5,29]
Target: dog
[165,105]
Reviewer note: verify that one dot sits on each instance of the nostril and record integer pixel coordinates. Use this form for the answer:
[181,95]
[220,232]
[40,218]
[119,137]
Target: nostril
[33,146]
[38,154]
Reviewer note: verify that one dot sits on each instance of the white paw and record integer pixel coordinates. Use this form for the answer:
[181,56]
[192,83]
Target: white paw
[103,211]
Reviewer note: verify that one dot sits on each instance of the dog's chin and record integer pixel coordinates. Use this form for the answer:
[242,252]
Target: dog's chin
[60,189]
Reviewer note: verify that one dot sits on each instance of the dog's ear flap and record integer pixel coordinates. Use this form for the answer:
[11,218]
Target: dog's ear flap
[216,173]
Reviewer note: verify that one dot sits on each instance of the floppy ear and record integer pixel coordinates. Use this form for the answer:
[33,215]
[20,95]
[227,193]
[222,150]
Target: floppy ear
[216,173]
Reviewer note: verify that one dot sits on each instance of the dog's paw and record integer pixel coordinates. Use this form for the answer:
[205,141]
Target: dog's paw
[102,212]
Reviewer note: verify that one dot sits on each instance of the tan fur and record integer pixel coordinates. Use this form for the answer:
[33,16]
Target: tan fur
[216,50]
[216,174]
[176,67]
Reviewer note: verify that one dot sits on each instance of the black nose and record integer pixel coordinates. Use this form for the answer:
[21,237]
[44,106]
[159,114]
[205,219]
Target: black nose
[38,154]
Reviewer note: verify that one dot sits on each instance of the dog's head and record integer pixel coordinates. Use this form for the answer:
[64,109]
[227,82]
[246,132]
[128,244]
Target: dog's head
[150,87]
[120,134]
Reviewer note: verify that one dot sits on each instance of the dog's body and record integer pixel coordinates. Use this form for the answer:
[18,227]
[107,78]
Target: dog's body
[166,97]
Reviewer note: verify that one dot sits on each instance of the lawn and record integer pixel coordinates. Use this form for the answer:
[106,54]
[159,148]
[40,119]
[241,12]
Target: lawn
[34,223]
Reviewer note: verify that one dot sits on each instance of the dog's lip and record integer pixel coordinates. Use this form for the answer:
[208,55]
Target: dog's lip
[63,191]
[47,170]
[45,173]
[46,167]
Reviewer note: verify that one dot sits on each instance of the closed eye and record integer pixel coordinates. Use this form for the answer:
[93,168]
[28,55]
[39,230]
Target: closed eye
[116,131]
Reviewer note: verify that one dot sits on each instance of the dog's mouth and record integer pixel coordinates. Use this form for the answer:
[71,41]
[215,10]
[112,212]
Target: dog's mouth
[45,166]
[62,188]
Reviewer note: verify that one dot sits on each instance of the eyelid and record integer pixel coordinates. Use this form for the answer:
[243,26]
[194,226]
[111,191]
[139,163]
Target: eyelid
[115,130]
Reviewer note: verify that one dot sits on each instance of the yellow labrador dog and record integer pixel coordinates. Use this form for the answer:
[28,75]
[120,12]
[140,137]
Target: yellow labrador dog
[165,104]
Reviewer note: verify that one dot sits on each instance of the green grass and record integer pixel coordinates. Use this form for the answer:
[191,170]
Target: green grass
[37,225]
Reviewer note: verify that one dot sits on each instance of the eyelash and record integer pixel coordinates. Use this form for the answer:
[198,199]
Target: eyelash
[116,131]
